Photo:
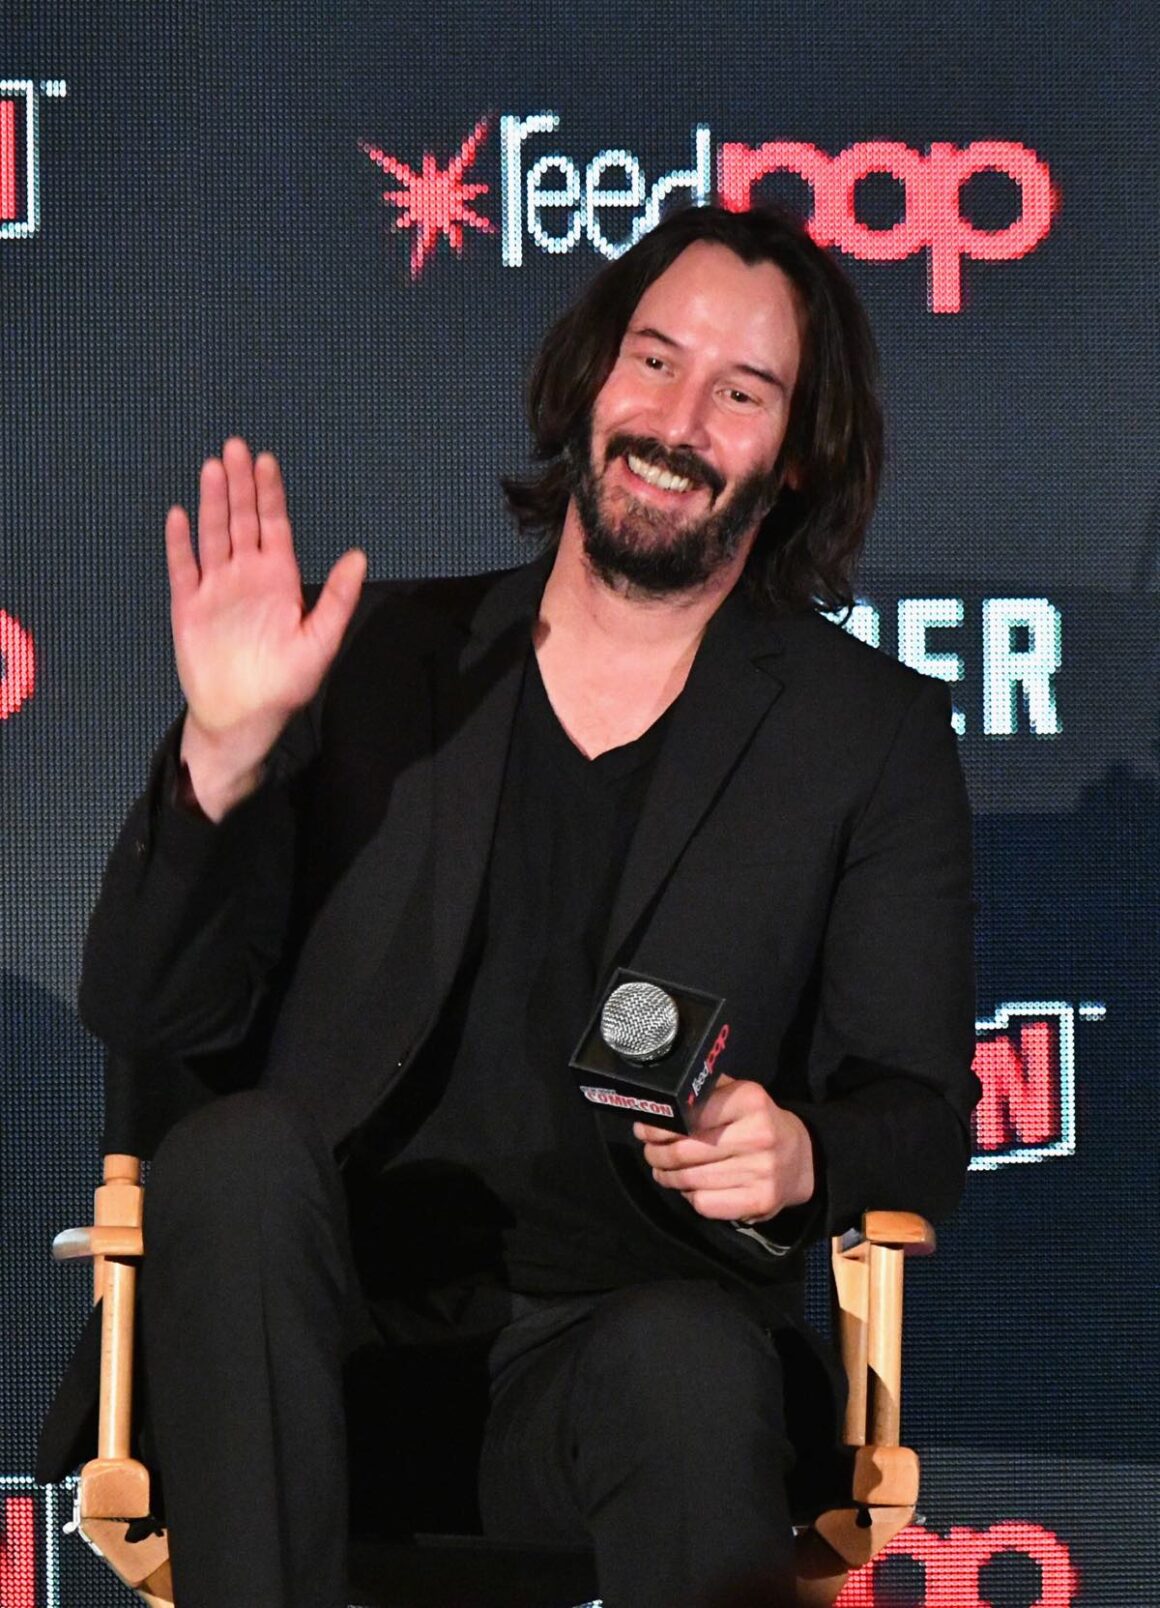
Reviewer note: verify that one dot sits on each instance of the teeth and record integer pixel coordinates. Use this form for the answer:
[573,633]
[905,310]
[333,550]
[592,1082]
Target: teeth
[660,478]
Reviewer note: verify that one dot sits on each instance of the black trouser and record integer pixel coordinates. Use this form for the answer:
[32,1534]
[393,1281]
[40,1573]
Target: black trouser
[649,1421]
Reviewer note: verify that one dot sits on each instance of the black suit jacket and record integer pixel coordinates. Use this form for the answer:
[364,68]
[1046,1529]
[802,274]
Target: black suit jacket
[803,850]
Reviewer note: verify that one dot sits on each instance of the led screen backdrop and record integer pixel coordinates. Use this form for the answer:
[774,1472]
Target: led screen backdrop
[340,231]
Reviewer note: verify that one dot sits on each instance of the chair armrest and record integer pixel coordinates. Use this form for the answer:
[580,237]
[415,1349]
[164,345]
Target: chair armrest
[77,1244]
[902,1231]
[115,1244]
[113,1508]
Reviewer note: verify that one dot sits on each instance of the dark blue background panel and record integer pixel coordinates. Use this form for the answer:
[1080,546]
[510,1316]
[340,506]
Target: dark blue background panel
[341,231]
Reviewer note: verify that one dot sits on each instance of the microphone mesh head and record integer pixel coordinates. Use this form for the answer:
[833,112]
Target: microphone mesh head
[639,1021]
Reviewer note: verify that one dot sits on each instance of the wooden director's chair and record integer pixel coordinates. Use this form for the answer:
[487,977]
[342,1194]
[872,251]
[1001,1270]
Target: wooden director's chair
[113,1503]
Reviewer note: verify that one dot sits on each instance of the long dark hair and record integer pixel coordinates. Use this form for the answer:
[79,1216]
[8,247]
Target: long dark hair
[809,541]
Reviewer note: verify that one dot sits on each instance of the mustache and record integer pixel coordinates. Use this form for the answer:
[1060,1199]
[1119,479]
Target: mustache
[677,460]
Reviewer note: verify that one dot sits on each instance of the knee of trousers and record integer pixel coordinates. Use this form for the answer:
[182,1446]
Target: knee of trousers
[678,1366]
[245,1161]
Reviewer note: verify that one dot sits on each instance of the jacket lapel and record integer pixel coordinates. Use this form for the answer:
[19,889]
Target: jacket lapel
[476,692]
[730,688]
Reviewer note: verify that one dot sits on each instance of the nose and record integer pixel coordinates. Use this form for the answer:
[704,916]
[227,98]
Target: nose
[682,414]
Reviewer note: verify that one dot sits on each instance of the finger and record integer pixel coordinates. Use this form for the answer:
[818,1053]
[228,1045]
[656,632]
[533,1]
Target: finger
[179,559]
[729,1205]
[274,533]
[655,1136]
[721,1099]
[331,615]
[716,1124]
[213,516]
[242,494]
[689,1153]
[731,1100]
[727,1174]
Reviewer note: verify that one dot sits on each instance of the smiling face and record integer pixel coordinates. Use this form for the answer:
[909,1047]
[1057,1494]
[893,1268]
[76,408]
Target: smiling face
[678,466]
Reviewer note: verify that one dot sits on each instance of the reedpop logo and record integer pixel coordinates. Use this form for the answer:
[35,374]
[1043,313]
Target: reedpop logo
[550,201]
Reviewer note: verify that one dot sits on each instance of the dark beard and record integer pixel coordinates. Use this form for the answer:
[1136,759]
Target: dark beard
[646,547]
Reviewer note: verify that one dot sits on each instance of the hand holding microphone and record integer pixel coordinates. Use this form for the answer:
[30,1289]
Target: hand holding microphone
[745,1161]
[653,1050]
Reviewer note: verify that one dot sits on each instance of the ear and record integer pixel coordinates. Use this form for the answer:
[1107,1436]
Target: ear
[792,477]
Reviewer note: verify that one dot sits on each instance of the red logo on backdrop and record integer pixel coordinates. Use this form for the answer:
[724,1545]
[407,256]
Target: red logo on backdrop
[551,200]
[951,1565]
[436,201]
[17,665]
[9,209]
[20,104]
[932,217]
[19,1543]
[1025,1060]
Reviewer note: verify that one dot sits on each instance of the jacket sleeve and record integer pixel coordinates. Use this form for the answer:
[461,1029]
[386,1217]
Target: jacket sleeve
[889,1065]
[192,916]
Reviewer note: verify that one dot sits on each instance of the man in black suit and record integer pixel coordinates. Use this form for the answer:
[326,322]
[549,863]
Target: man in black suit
[383,868]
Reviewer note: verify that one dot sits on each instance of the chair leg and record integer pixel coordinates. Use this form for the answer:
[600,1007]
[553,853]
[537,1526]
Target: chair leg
[164,1600]
[857,1534]
[820,1572]
[142,1565]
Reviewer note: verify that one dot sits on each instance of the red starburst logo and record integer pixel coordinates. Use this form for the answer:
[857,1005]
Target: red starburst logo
[436,201]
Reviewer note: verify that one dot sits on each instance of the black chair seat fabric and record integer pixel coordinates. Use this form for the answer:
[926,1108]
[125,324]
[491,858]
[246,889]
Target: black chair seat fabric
[456,1571]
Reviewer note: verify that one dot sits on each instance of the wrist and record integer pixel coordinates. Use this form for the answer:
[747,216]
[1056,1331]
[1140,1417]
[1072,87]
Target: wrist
[219,770]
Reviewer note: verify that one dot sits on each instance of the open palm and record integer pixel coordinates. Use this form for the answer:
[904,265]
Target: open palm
[248,655]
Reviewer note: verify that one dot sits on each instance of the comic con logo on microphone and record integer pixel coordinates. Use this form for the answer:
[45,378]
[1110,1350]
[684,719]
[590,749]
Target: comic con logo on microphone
[626,1102]
[990,200]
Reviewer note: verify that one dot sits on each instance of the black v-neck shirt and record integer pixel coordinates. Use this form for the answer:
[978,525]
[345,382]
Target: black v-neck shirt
[497,1177]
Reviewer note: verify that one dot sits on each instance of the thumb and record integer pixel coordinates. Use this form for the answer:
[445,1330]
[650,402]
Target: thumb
[709,1113]
[331,614]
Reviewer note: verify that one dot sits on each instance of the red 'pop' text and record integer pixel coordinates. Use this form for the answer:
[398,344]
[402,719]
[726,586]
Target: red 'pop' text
[18,1557]
[932,218]
[17,665]
[7,160]
[951,1565]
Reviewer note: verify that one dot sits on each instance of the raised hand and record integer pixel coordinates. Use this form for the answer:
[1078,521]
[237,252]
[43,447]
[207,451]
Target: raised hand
[248,655]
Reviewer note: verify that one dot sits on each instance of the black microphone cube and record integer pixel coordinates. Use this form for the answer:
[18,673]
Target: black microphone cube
[666,1092]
